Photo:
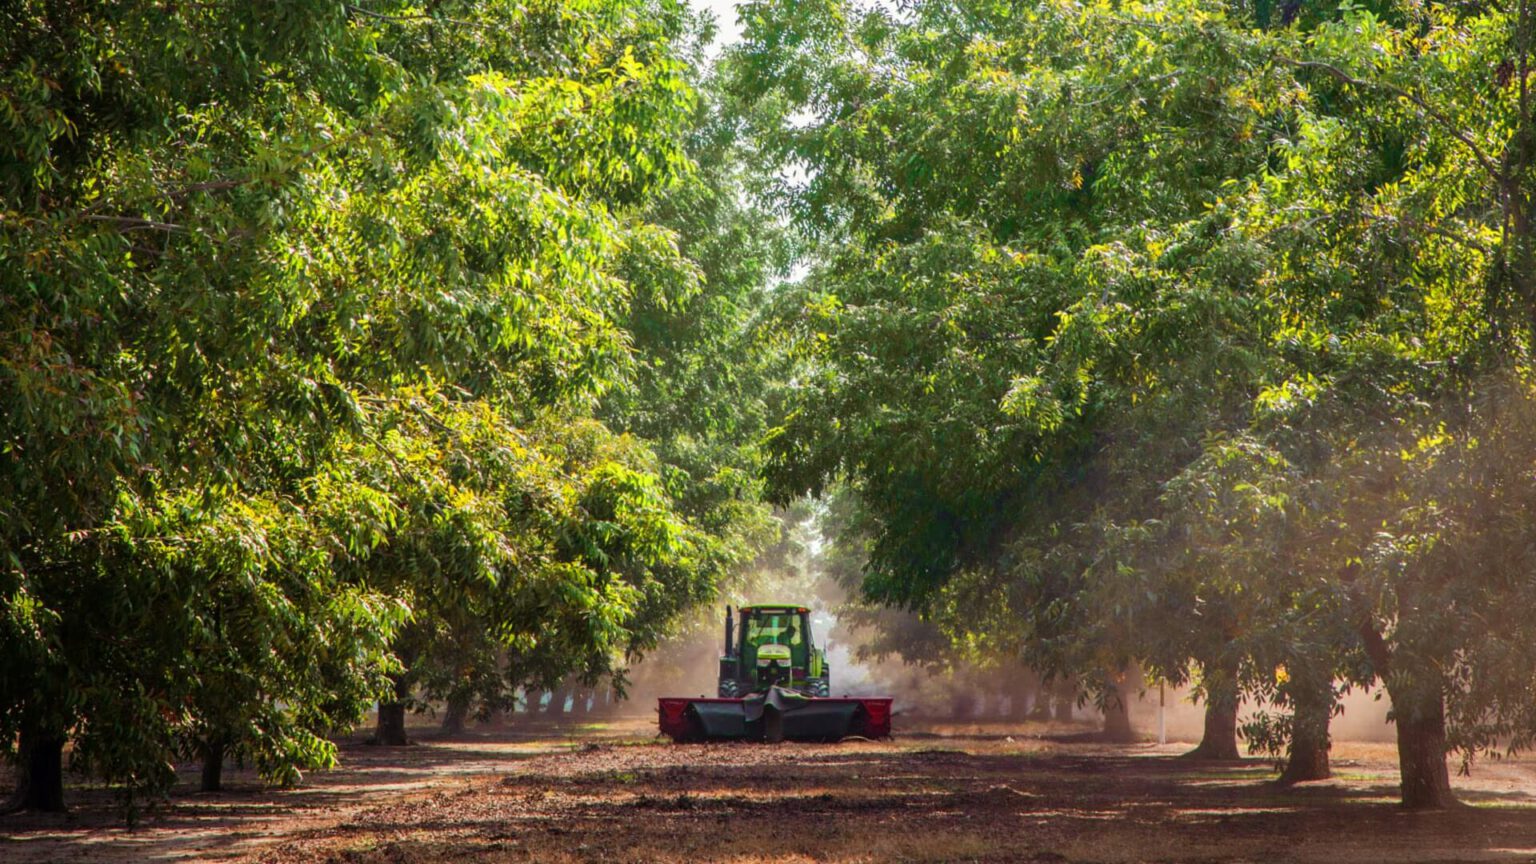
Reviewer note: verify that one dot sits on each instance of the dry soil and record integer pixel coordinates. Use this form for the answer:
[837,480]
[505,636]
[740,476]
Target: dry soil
[975,793]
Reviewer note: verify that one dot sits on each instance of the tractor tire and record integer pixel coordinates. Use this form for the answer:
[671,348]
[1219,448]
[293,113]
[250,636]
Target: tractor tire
[773,726]
[729,688]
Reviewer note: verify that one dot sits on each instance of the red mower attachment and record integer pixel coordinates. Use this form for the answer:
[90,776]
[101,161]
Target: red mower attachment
[779,715]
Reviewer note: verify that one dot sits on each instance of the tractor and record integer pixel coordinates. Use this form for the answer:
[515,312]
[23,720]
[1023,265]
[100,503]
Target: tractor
[774,685]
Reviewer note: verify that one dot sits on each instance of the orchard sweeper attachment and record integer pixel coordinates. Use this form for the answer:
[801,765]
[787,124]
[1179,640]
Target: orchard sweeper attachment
[774,685]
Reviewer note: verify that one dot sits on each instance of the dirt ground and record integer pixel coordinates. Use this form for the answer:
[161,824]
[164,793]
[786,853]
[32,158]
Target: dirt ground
[976,793]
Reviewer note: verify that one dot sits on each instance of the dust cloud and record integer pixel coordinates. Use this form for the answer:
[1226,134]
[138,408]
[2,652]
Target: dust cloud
[1363,717]
[687,665]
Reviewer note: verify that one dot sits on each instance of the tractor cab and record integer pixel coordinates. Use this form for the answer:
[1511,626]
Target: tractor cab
[771,645]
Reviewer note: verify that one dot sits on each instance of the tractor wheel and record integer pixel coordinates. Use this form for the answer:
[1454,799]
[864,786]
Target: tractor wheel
[729,689]
[773,726]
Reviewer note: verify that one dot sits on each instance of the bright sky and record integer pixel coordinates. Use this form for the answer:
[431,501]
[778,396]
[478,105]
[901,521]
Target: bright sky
[725,18]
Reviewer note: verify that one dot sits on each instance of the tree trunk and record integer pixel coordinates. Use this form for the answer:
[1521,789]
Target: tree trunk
[557,700]
[454,714]
[1219,740]
[1064,710]
[1064,700]
[39,775]
[1421,749]
[602,702]
[493,718]
[391,729]
[1019,705]
[993,706]
[962,704]
[1040,706]
[1307,758]
[1117,714]
[213,765]
[1418,709]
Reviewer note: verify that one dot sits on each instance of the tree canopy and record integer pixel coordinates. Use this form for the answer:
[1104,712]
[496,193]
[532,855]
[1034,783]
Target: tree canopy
[388,352]
[313,316]
[1176,333]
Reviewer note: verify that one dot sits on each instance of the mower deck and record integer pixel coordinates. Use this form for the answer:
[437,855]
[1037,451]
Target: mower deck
[778,715]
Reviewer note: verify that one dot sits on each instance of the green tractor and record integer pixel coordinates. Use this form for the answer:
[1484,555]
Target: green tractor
[774,684]
[775,649]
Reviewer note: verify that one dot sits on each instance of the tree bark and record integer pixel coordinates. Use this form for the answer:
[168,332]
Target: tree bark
[1311,713]
[1066,694]
[390,731]
[557,700]
[213,765]
[602,702]
[1219,740]
[1418,709]
[1117,714]
[1421,749]
[454,714]
[39,775]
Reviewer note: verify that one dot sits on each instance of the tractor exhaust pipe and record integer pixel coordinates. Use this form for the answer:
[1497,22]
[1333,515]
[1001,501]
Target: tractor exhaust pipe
[730,628]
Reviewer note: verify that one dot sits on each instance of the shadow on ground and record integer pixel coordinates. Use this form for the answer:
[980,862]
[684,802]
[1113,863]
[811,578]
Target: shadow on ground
[970,800]
[998,797]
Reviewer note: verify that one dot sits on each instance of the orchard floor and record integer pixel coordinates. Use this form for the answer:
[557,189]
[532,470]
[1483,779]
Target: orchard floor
[975,793]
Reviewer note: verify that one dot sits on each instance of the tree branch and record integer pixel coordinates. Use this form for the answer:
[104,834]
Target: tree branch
[1415,224]
[1376,647]
[133,223]
[411,19]
[1429,111]
[209,186]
